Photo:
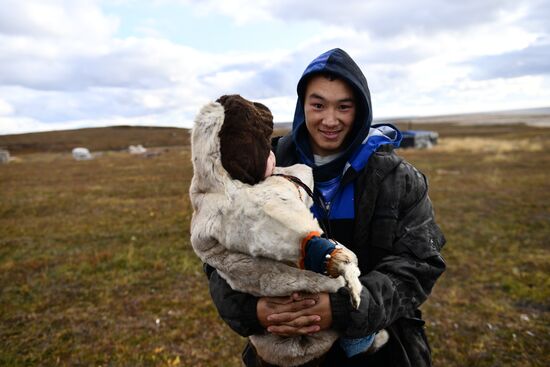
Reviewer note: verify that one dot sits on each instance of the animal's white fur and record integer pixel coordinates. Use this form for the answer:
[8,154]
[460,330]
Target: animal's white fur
[252,237]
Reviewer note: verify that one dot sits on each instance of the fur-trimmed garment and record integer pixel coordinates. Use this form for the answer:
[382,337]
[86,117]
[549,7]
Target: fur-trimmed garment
[251,234]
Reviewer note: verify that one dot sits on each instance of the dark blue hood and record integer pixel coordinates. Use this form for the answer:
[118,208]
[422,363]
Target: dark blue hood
[339,63]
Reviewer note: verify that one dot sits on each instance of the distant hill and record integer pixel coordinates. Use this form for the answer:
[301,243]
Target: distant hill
[120,137]
[95,139]
[282,126]
[533,117]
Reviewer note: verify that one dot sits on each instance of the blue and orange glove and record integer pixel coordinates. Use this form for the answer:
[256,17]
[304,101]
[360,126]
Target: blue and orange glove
[317,253]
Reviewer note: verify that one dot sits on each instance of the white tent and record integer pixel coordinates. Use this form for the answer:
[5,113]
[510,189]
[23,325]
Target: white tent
[4,156]
[81,154]
[136,149]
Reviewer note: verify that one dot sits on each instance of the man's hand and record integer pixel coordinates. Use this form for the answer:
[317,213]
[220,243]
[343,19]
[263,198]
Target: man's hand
[298,314]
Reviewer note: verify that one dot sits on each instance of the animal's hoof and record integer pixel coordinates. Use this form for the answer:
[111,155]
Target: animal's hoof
[355,301]
[380,340]
[355,288]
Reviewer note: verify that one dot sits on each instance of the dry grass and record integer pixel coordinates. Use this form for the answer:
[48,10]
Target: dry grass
[95,139]
[96,266]
[492,198]
[488,145]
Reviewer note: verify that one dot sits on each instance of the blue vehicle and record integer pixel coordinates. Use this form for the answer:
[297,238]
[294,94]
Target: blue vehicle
[419,139]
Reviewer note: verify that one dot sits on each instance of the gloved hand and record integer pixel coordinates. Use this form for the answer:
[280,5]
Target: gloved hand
[318,252]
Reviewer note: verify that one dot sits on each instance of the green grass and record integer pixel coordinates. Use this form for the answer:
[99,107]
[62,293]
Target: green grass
[96,266]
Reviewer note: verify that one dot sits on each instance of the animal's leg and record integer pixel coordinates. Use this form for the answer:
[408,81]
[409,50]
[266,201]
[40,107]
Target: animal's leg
[344,262]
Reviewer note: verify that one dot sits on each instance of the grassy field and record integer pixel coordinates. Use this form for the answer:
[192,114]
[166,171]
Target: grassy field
[96,268]
[96,139]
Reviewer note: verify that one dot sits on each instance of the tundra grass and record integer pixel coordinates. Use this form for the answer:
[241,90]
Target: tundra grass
[96,268]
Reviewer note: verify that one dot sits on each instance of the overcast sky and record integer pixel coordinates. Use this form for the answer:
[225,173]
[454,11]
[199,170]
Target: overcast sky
[81,63]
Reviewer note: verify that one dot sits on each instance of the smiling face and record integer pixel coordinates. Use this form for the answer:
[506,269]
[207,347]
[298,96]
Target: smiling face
[330,108]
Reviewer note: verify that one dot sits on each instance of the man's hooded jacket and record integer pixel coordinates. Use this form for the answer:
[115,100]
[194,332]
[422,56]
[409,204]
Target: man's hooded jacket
[377,205]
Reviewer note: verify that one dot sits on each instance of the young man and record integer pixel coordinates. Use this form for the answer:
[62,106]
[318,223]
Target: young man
[373,202]
[252,222]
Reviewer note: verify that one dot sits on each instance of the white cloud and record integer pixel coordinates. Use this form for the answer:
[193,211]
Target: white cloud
[58,19]
[242,11]
[5,108]
[383,18]
[18,124]
[282,108]
[62,63]
[532,60]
